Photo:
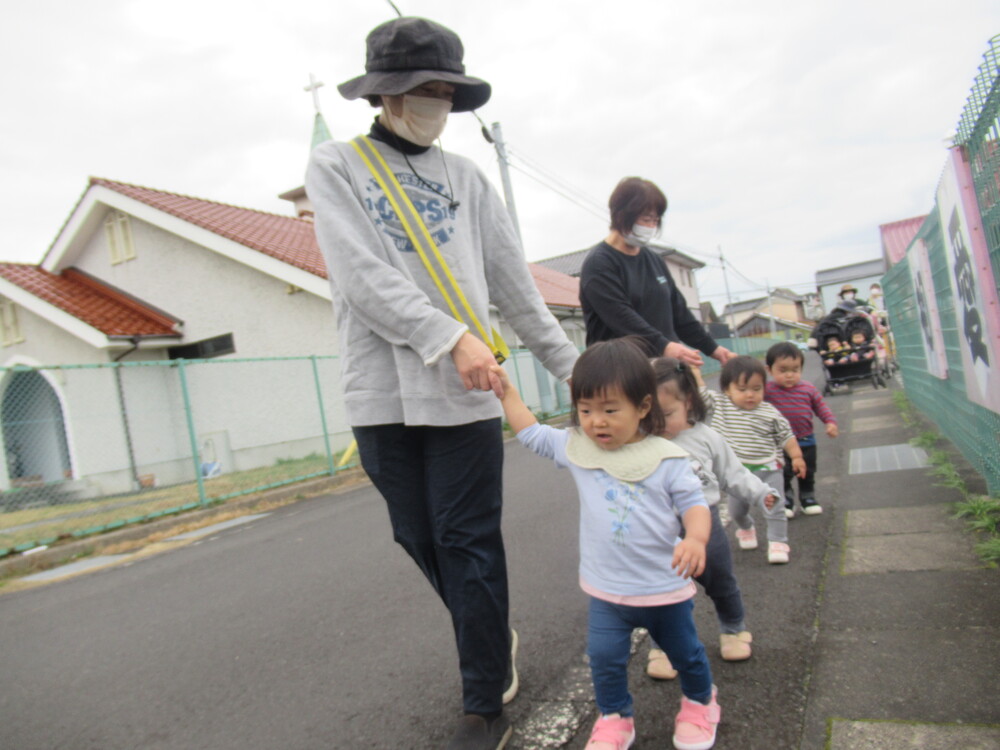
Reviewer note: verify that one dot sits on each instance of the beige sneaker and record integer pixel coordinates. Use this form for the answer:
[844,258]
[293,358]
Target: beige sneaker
[735,646]
[659,667]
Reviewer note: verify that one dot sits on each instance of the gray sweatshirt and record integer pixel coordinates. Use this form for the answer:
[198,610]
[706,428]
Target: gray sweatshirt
[395,329]
[718,467]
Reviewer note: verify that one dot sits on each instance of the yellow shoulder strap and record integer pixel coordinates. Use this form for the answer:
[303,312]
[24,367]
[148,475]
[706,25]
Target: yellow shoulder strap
[421,238]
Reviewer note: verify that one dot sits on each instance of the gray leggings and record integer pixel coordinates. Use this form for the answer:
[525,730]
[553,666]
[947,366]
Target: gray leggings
[777,522]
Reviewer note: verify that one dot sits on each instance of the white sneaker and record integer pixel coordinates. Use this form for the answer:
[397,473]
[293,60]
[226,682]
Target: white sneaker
[777,553]
[747,538]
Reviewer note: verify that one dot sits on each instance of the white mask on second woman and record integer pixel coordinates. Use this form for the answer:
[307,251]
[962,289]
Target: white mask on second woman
[641,235]
[422,120]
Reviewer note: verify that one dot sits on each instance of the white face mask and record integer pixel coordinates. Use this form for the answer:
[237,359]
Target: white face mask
[422,121]
[848,295]
[641,235]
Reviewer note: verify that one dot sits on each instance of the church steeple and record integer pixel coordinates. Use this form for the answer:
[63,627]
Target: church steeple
[321,133]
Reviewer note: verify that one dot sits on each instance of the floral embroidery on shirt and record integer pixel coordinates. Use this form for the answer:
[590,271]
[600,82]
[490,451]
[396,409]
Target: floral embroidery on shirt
[622,498]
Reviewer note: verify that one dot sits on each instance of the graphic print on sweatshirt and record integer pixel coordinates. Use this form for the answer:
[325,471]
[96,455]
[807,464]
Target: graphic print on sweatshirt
[622,498]
[433,209]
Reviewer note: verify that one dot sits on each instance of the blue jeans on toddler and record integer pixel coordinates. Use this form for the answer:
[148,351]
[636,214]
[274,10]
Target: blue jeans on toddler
[609,636]
[719,580]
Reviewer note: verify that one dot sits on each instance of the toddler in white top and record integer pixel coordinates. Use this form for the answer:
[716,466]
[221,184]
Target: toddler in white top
[757,433]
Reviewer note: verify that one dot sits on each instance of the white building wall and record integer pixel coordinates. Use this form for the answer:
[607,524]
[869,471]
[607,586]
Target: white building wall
[214,295]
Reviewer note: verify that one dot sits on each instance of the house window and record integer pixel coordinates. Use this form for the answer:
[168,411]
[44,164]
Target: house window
[205,349]
[10,329]
[119,233]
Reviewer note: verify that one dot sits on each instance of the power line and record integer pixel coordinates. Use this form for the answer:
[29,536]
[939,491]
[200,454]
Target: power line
[554,189]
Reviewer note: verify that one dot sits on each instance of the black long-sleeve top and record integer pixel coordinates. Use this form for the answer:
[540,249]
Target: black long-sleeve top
[626,295]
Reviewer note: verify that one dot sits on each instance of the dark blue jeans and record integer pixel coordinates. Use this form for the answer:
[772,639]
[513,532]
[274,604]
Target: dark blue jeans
[610,640]
[443,489]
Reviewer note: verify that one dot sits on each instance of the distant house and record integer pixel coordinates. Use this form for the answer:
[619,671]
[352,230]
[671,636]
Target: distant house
[782,304]
[862,275]
[897,236]
[138,274]
[682,268]
[760,324]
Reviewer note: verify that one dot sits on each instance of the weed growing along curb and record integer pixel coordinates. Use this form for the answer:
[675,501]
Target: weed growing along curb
[981,513]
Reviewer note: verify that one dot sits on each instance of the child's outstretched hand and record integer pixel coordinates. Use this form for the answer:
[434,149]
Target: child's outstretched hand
[496,371]
[831,429]
[799,467]
[769,501]
[689,558]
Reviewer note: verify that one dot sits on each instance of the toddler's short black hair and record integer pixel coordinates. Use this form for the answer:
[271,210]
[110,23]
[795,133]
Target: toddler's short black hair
[740,370]
[621,363]
[784,350]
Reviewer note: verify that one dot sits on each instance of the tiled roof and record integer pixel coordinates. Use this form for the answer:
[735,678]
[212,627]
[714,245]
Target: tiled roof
[897,236]
[572,263]
[286,238]
[851,272]
[558,289]
[108,310]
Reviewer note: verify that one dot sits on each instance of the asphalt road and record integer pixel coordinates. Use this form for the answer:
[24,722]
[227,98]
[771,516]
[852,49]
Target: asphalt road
[310,628]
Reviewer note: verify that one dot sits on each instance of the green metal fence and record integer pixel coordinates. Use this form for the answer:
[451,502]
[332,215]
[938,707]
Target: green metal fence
[755,346]
[89,448]
[973,429]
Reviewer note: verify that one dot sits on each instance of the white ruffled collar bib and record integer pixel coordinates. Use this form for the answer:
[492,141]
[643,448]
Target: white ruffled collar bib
[632,462]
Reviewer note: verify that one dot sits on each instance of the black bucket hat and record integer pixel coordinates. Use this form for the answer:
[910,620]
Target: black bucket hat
[407,52]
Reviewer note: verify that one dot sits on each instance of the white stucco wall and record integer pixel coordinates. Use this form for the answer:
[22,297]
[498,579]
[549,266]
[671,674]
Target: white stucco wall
[215,295]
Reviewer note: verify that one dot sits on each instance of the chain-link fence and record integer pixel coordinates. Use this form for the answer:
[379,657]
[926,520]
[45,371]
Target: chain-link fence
[90,448]
[942,297]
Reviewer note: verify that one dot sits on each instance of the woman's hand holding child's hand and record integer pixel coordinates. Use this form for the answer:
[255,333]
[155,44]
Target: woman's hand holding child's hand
[689,558]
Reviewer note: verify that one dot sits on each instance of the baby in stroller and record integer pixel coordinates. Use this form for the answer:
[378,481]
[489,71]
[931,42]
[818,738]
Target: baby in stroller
[835,350]
[845,340]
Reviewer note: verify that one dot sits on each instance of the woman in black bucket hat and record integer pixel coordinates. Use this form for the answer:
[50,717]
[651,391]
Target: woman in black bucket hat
[419,393]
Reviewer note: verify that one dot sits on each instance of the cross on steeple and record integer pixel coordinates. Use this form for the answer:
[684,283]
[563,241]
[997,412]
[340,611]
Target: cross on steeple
[321,132]
[314,87]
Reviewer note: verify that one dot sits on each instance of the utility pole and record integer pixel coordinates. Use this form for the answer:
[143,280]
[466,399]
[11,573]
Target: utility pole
[729,297]
[508,191]
[770,307]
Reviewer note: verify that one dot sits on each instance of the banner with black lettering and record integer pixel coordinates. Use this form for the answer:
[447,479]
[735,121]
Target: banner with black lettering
[927,309]
[977,309]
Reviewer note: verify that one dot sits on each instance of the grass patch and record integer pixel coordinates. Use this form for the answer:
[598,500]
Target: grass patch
[980,513]
[49,523]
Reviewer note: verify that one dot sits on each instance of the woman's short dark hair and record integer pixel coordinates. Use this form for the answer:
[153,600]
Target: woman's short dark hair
[740,370]
[633,197]
[618,363]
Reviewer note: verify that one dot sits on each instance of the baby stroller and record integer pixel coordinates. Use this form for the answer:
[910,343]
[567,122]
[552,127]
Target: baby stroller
[850,348]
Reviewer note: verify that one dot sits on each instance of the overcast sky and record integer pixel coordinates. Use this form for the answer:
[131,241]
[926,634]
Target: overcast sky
[783,133]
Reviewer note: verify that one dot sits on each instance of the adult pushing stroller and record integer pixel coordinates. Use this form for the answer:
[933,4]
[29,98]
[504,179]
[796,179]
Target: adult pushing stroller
[850,348]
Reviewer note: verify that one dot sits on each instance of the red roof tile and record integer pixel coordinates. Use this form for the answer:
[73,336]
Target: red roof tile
[897,236]
[100,306]
[557,288]
[292,240]
[287,238]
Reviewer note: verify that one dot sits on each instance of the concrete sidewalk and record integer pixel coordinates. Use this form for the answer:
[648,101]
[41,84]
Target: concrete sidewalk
[907,652]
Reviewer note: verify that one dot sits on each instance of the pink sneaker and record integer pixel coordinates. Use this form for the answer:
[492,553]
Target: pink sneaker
[694,727]
[747,538]
[777,553]
[612,732]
